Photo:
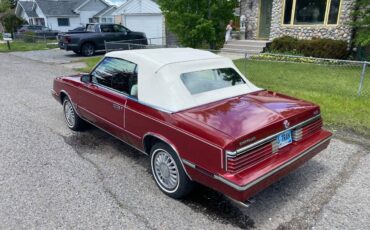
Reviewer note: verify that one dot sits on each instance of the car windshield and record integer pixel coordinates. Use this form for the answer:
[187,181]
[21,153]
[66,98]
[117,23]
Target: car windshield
[212,79]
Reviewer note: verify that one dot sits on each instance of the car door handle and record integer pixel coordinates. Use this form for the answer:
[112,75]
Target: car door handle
[117,106]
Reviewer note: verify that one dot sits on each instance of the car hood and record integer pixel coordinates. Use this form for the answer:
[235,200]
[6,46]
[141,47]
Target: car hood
[254,115]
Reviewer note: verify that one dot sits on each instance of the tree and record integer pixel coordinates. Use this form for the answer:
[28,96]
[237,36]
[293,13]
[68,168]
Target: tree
[4,5]
[10,21]
[361,23]
[196,22]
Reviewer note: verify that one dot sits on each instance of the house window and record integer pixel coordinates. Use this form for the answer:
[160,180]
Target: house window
[107,20]
[333,12]
[93,20]
[311,12]
[288,11]
[63,21]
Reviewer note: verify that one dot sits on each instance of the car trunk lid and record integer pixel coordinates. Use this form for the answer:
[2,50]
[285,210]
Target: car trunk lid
[251,117]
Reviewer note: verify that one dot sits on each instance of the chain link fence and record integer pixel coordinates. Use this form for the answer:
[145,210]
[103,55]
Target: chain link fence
[344,77]
[148,43]
[282,72]
[35,38]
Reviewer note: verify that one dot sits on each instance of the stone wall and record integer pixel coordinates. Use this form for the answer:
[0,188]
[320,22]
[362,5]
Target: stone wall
[250,9]
[340,31]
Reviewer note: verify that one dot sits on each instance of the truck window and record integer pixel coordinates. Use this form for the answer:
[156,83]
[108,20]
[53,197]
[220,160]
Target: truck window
[118,28]
[107,28]
[90,28]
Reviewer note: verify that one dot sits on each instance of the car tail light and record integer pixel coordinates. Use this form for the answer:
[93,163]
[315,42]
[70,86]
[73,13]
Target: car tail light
[307,130]
[275,146]
[297,134]
[238,161]
[67,39]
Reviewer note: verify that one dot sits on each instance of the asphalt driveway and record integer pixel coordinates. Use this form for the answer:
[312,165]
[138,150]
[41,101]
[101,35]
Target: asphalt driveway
[52,177]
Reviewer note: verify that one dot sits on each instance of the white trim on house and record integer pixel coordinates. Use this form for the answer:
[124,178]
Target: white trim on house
[77,10]
[138,7]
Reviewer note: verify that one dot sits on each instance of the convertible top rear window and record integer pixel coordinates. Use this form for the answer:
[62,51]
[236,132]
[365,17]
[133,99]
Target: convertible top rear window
[212,79]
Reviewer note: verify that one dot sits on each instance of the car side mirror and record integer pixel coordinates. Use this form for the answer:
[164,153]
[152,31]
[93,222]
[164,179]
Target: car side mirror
[85,78]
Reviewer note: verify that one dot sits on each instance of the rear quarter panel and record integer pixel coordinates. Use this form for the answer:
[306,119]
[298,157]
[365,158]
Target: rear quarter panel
[201,146]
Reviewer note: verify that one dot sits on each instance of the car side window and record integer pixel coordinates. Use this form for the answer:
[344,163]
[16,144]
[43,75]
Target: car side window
[117,74]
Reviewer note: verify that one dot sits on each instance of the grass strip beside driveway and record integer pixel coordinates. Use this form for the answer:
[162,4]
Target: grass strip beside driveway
[334,88]
[90,63]
[26,46]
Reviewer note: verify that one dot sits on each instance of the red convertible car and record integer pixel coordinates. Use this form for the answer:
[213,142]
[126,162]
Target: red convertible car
[197,117]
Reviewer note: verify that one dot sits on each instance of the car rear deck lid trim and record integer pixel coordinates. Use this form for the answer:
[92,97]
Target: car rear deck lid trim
[258,180]
[269,138]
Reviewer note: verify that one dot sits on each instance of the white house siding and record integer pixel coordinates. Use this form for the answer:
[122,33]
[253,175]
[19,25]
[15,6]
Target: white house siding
[73,23]
[107,15]
[144,16]
[142,6]
[40,14]
[151,25]
[24,15]
[90,9]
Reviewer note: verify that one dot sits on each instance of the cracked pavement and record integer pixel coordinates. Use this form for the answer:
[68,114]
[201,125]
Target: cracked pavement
[52,177]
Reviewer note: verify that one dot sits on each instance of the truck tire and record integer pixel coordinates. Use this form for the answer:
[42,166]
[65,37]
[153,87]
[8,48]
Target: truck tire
[88,49]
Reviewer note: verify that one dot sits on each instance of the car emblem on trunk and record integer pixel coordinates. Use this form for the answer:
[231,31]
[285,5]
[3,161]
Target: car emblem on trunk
[247,141]
[286,124]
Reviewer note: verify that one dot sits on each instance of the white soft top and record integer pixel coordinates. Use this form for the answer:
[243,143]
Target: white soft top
[159,82]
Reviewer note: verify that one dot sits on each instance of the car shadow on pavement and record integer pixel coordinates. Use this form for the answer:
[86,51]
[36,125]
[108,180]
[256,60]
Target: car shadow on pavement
[213,204]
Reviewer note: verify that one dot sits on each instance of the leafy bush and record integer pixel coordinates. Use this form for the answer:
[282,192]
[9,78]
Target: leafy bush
[29,37]
[198,22]
[361,22]
[322,48]
[284,44]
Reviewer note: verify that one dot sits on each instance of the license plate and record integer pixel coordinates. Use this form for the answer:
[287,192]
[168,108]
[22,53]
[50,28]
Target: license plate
[284,139]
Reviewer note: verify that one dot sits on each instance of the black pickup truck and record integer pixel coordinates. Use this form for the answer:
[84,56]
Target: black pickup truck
[94,36]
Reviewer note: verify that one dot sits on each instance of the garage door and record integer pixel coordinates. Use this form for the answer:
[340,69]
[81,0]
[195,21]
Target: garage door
[150,25]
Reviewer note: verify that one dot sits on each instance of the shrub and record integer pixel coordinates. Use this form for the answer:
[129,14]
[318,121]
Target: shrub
[321,48]
[284,44]
[29,37]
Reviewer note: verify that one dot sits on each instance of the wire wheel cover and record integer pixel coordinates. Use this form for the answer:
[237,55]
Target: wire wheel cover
[69,113]
[165,170]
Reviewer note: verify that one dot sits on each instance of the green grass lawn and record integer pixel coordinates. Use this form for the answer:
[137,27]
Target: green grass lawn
[334,88]
[90,63]
[26,46]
